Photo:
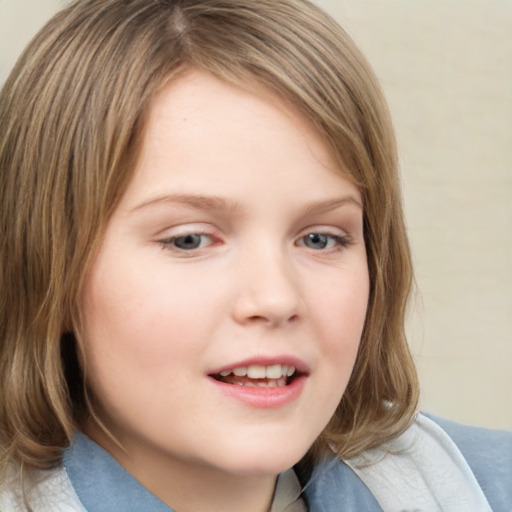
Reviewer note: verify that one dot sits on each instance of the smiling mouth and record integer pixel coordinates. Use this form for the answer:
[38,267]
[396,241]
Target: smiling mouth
[256,376]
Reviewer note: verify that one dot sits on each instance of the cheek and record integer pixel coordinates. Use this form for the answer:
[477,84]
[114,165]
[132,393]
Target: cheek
[340,317]
[144,317]
[342,306]
[137,334]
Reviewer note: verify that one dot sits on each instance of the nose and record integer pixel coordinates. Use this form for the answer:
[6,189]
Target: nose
[268,290]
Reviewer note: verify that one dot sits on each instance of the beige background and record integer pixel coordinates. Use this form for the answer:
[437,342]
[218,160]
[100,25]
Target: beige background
[446,68]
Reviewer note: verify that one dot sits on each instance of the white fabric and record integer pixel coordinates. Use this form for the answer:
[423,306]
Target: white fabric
[51,492]
[422,466]
[287,495]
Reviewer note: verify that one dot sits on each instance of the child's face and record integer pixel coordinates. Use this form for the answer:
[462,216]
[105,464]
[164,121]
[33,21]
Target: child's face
[234,247]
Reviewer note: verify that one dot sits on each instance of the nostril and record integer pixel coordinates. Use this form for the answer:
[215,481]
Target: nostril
[274,320]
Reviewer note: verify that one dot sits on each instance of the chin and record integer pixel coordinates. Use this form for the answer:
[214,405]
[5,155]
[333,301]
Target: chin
[258,461]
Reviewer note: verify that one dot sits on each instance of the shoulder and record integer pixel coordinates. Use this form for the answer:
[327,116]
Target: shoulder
[488,453]
[47,491]
[434,462]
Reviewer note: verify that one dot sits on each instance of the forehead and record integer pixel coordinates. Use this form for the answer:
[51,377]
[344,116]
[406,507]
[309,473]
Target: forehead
[201,127]
[195,96]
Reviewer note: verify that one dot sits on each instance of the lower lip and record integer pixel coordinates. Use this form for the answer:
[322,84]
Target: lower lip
[263,398]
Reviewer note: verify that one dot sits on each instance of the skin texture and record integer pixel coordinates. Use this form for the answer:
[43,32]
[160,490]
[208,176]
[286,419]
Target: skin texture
[251,176]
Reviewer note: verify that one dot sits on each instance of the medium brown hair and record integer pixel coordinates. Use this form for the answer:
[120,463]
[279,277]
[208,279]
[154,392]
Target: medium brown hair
[72,113]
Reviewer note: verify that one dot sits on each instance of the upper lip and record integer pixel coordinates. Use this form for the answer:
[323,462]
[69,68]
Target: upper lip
[287,360]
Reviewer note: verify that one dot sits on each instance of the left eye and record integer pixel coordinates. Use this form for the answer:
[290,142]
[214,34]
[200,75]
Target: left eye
[188,242]
[321,241]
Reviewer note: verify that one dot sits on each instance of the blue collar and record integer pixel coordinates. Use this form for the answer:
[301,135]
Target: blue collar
[102,484]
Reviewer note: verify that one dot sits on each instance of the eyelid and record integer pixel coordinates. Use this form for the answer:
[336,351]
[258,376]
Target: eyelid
[324,229]
[185,228]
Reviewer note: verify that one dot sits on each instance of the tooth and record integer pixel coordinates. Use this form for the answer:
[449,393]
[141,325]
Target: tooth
[273,372]
[272,384]
[256,372]
[291,371]
[225,373]
[240,372]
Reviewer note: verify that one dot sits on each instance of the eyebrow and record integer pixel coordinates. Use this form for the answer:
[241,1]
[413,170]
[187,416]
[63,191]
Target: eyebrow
[203,202]
[200,202]
[319,207]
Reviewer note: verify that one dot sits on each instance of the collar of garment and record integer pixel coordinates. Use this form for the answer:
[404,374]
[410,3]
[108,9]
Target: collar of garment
[421,464]
[103,485]
[422,470]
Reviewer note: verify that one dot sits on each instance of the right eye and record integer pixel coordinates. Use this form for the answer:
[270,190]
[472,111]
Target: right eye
[187,242]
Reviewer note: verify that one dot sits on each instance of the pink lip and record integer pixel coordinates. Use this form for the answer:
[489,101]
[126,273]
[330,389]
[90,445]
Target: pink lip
[261,397]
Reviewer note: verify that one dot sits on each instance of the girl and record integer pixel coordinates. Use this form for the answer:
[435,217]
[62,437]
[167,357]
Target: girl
[205,271]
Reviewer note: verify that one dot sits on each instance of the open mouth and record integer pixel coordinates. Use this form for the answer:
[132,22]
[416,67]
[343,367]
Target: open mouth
[256,376]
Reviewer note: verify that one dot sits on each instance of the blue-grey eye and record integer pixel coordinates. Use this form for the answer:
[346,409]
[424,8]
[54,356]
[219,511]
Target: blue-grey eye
[189,242]
[317,240]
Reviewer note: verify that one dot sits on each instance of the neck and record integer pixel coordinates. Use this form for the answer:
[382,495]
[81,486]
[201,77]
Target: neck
[187,486]
[213,493]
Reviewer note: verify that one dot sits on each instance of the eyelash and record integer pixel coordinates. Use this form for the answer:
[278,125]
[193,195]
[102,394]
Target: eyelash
[337,242]
[169,243]
[340,242]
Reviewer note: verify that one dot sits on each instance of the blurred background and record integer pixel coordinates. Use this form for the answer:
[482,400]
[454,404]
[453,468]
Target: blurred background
[446,69]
